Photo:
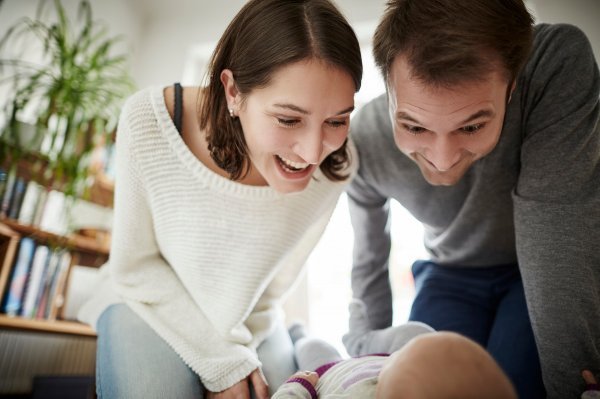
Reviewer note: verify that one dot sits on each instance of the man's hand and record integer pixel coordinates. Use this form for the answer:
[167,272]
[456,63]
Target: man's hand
[241,390]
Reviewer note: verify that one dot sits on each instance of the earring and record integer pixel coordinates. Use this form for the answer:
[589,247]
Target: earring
[231,113]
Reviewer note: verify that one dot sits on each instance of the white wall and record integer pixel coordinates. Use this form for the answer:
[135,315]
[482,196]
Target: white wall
[120,17]
[583,13]
[161,34]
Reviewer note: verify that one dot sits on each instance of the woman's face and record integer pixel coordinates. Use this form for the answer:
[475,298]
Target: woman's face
[294,123]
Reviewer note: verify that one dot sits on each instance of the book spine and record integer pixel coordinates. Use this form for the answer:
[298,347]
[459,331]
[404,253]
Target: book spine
[30,200]
[53,219]
[44,293]
[58,286]
[3,180]
[19,277]
[37,272]
[41,205]
[18,194]
[8,193]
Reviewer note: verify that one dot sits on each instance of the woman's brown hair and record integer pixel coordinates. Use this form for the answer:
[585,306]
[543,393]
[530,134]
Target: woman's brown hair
[264,36]
[448,42]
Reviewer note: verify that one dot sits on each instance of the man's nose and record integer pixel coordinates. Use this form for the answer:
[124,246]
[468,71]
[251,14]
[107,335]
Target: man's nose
[445,153]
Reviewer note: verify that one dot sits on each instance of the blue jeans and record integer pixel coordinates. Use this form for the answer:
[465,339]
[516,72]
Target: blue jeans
[133,362]
[487,305]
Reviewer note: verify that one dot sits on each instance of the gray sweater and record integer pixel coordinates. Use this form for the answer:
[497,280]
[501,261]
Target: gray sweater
[534,200]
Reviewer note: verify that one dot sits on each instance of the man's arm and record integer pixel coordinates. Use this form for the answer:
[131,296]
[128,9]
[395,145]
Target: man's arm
[369,213]
[372,241]
[557,208]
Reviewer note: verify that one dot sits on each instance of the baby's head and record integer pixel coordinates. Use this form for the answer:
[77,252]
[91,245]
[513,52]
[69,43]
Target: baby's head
[443,365]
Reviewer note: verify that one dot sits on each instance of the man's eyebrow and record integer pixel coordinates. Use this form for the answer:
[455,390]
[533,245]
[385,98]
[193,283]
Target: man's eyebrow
[407,117]
[305,112]
[484,113]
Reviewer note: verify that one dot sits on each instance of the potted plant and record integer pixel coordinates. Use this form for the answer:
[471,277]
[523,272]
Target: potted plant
[72,95]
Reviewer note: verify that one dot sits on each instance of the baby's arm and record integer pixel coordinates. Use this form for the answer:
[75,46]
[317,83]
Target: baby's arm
[592,391]
[300,385]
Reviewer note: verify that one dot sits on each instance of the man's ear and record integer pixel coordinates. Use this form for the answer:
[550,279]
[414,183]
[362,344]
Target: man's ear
[232,95]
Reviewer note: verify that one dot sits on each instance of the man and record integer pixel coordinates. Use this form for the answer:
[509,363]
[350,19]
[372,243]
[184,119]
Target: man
[488,134]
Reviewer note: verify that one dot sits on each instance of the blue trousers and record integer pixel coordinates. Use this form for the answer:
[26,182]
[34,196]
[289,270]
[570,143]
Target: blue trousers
[133,362]
[487,305]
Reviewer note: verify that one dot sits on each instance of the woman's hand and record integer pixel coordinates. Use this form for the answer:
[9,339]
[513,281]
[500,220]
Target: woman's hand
[241,390]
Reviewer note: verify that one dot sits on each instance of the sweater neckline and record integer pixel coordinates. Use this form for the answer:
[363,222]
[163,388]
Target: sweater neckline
[199,169]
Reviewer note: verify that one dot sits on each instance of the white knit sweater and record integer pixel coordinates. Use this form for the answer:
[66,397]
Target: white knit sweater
[203,260]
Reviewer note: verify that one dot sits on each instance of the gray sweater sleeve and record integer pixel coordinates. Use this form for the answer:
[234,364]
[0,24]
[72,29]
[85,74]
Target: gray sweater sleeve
[557,208]
[369,214]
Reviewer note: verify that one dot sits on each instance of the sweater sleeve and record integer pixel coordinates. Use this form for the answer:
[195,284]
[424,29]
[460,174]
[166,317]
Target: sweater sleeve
[149,285]
[369,213]
[557,208]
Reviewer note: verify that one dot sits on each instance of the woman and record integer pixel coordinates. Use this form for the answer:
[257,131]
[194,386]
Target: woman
[222,192]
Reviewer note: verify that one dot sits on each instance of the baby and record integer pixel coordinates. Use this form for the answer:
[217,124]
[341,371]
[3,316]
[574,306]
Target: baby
[423,364]
[432,365]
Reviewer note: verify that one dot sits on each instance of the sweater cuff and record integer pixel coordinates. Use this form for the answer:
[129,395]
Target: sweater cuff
[307,385]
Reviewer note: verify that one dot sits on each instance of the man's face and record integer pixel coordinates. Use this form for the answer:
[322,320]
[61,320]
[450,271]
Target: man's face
[445,130]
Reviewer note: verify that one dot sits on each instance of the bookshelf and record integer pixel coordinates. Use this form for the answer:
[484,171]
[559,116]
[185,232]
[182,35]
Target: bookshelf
[58,326]
[83,251]
[47,314]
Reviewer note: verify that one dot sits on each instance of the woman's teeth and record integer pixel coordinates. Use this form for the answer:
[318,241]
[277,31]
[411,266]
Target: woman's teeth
[291,165]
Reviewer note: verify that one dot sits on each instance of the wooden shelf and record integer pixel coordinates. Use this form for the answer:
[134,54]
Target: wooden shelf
[32,166]
[46,326]
[73,241]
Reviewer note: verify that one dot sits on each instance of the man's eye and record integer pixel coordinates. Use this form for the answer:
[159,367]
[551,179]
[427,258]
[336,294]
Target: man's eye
[413,129]
[288,122]
[470,129]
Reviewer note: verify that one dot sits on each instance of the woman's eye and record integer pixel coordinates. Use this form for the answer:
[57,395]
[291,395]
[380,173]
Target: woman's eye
[288,122]
[413,129]
[337,123]
[470,129]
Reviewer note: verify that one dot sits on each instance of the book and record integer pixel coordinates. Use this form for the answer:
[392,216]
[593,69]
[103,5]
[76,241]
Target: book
[3,179]
[40,260]
[54,214]
[41,303]
[41,205]
[17,200]
[57,298]
[30,201]
[8,192]
[14,297]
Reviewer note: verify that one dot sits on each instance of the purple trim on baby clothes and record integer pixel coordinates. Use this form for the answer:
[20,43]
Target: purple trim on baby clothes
[307,385]
[321,370]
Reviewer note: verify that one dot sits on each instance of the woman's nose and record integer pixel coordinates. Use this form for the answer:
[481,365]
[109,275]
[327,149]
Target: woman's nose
[310,146]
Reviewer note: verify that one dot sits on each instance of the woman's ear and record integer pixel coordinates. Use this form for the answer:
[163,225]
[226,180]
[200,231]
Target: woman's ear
[232,95]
